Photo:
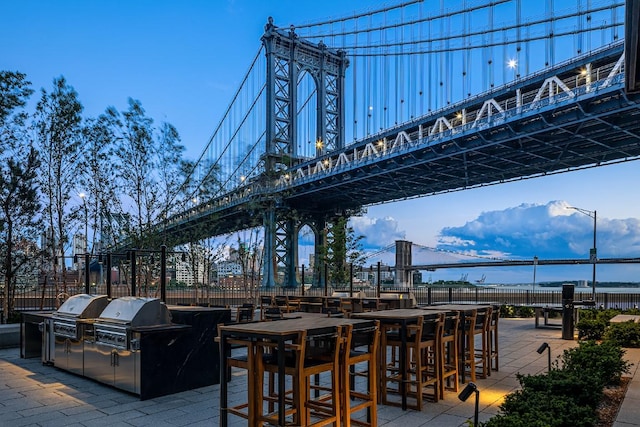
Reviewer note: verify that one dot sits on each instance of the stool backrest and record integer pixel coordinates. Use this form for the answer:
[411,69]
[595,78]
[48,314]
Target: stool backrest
[245,314]
[483,318]
[432,326]
[451,324]
[273,313]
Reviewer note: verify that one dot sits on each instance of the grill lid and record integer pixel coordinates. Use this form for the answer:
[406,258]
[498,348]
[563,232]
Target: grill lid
[136,311]
[83,306]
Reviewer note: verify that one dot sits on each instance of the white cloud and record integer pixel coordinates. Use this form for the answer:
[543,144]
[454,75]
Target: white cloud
[378,232]
[548,231]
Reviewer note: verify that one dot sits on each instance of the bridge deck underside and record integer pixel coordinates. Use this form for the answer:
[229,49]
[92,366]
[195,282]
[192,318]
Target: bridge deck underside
[562,137]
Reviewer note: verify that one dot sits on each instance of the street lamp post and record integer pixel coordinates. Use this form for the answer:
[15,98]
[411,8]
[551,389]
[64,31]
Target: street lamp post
[593,253]
[83,196]
[535,264]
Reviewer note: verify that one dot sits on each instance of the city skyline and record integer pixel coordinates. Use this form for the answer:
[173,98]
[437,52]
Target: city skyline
[183,63]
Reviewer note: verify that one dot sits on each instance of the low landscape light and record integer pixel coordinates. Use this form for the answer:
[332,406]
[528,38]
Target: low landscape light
[545,346]
[464,395]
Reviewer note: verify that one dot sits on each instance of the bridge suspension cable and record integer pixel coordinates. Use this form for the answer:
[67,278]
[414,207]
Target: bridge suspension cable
[464,47]
[233,150]
[358,16]
[486,31]
[377,253]
[332,34]
[463,254]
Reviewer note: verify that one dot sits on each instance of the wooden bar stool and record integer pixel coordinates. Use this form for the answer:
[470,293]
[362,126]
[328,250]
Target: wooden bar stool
[361,347]
[388,362]
[477,359]
[266,301]
[423,337]
[449,353]
[245,313]
[266,362]
[493,339]
[307,357]
[282,301]
[467,343]
[242,361]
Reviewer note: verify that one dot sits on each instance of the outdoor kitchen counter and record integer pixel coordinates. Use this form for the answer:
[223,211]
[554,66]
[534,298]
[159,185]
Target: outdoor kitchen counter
[160,328]
[201,364]
[31,338]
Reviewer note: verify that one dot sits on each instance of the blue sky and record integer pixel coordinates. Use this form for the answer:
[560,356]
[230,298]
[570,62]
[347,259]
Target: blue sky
[184,59]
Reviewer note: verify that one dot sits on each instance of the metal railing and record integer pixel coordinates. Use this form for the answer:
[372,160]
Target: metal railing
[36,299]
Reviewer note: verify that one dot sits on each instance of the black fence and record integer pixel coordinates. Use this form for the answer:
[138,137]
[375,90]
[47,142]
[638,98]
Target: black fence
[49,299]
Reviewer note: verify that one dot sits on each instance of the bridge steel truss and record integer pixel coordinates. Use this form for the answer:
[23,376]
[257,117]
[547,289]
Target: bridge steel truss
[576,115]
[288,57]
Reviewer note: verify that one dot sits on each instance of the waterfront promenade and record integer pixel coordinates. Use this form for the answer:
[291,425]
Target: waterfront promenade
[35,395]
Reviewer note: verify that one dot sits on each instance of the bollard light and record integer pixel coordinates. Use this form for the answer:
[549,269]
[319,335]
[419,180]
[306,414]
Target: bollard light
[464,395]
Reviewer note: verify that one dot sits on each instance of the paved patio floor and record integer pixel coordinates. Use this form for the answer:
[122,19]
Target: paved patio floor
[35,395]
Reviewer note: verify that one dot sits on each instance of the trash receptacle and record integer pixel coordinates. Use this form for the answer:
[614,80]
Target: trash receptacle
[567,312]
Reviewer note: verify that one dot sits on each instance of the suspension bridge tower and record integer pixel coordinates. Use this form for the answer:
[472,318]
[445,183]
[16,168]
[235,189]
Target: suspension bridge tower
[288,57]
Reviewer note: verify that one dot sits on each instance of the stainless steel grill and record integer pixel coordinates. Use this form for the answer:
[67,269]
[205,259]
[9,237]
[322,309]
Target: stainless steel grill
[114,355]
[69,325]
[113,327]
[81,306]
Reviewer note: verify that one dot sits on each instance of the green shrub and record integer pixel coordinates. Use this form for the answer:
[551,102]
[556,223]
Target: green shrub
[585,390]
[602,361]
[608,314]
[625,334]
[566,396]
[525,312]
[507,310]
[592,313]
[529,419]
[591,329]
[545,409]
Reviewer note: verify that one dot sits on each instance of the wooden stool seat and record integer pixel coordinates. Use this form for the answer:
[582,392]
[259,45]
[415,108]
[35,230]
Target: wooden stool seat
[361,347]
[305,358]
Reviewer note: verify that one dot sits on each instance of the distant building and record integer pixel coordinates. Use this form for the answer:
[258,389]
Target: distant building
[228,268]
[185,272]
[78,249]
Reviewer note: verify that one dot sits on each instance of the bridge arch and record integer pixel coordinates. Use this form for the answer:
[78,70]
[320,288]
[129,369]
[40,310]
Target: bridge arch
[288,58]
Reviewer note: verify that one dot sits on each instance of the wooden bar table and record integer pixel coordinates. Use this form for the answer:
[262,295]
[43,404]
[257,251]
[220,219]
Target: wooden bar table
[279,332]
[402,317]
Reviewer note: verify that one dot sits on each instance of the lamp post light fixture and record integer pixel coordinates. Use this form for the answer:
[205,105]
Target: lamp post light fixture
[593,253]
[535,265]
[83,196]
[378,280]
[541,349]
[464,395]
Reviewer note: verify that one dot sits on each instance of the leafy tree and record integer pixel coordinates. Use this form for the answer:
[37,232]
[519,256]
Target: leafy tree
[58,128]
[149,171]
[343,249]
[19,204]
[251,258]
[96,179]
[135,164]
[170,167]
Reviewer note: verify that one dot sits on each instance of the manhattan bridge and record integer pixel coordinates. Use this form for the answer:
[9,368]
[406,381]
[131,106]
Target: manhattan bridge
[406,101]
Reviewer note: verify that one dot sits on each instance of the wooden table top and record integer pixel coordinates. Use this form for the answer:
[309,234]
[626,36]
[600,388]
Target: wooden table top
[456,307]
[395,314]
[311,324]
